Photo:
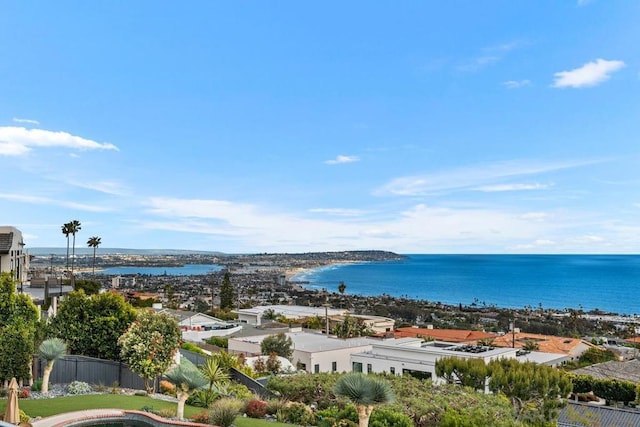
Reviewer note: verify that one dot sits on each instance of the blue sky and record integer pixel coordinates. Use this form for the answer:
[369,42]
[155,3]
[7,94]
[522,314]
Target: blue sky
[287,126]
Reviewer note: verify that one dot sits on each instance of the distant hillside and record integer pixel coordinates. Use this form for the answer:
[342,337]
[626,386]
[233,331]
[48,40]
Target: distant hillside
[122,251]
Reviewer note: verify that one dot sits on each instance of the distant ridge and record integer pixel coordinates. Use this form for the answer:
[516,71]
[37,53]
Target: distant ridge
[123,251]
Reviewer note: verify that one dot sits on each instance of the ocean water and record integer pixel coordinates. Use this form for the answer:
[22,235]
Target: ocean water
[186,270]
[605,282]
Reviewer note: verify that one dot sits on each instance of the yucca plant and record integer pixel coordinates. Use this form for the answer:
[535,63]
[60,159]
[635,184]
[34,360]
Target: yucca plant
[365,393]
[50,350]
[187,378]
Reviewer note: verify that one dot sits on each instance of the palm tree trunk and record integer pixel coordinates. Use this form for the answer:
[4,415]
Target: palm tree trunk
[67,252]
[93,273]
[45,376]
[364,413]
[182,399]
[73,256]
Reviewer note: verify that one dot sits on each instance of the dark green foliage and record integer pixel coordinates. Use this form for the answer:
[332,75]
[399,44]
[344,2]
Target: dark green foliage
[218,342]
[385,417]
[329,416]
[280,344]
[90,287]
[92,325]
[468,372]
[615,390]
[535,390]
[226,293]
[596,355]
[18,320]
[582,383]
[351,327]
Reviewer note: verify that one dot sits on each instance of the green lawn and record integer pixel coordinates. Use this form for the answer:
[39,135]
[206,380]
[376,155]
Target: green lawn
[48,407]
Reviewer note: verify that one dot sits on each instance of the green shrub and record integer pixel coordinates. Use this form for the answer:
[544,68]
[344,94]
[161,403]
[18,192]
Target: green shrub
[167,412]
[37,385]
[296,413]
[224,412]
[385,417]
[218,342]
[201,398]
[192,348]
[331,416]
[240,391]
[79,387]
[274,405]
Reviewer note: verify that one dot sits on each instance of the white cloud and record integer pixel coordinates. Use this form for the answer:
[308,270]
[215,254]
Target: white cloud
[516,84]
[17,141]
[342,159]
[589,238]
[590,74]
[536,244]
[37,200]
[28,121]
[472,177]
[337,211]
[511,187]
[107,187]
[419,228]
[536,216]
[490,55]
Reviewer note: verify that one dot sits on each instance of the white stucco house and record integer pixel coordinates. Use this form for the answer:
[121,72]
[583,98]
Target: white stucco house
[13,259]
[253,316]
[416,357]
[197,327]
[312,352]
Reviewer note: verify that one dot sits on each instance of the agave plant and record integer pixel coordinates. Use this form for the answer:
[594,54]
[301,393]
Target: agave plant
[365,393]
[187,378]
[50,350]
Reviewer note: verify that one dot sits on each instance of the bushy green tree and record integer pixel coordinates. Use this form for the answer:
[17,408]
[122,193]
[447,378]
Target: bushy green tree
[91,325]
[280,344]
[468,372]
[149,344]
[18,321]
[351,327]
[536,391]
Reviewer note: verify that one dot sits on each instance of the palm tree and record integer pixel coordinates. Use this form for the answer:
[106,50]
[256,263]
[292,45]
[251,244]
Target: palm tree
[214,372]
[66,230]
[50,350]
[74,227]
[94,242]
[187,378]
[365,393]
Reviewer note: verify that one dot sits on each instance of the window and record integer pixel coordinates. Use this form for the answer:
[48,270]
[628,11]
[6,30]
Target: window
[357,367]
[334,366]
[392,370]
[316,368]
[421,375]
[369,368]
[302,366]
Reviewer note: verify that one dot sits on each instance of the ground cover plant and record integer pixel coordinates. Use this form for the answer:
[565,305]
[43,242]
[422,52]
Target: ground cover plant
[427,405]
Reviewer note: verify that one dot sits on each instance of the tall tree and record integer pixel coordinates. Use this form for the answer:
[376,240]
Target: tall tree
[365,393]
[226,293]
[150,343]
[66,230]
[74,227]
[94,242]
